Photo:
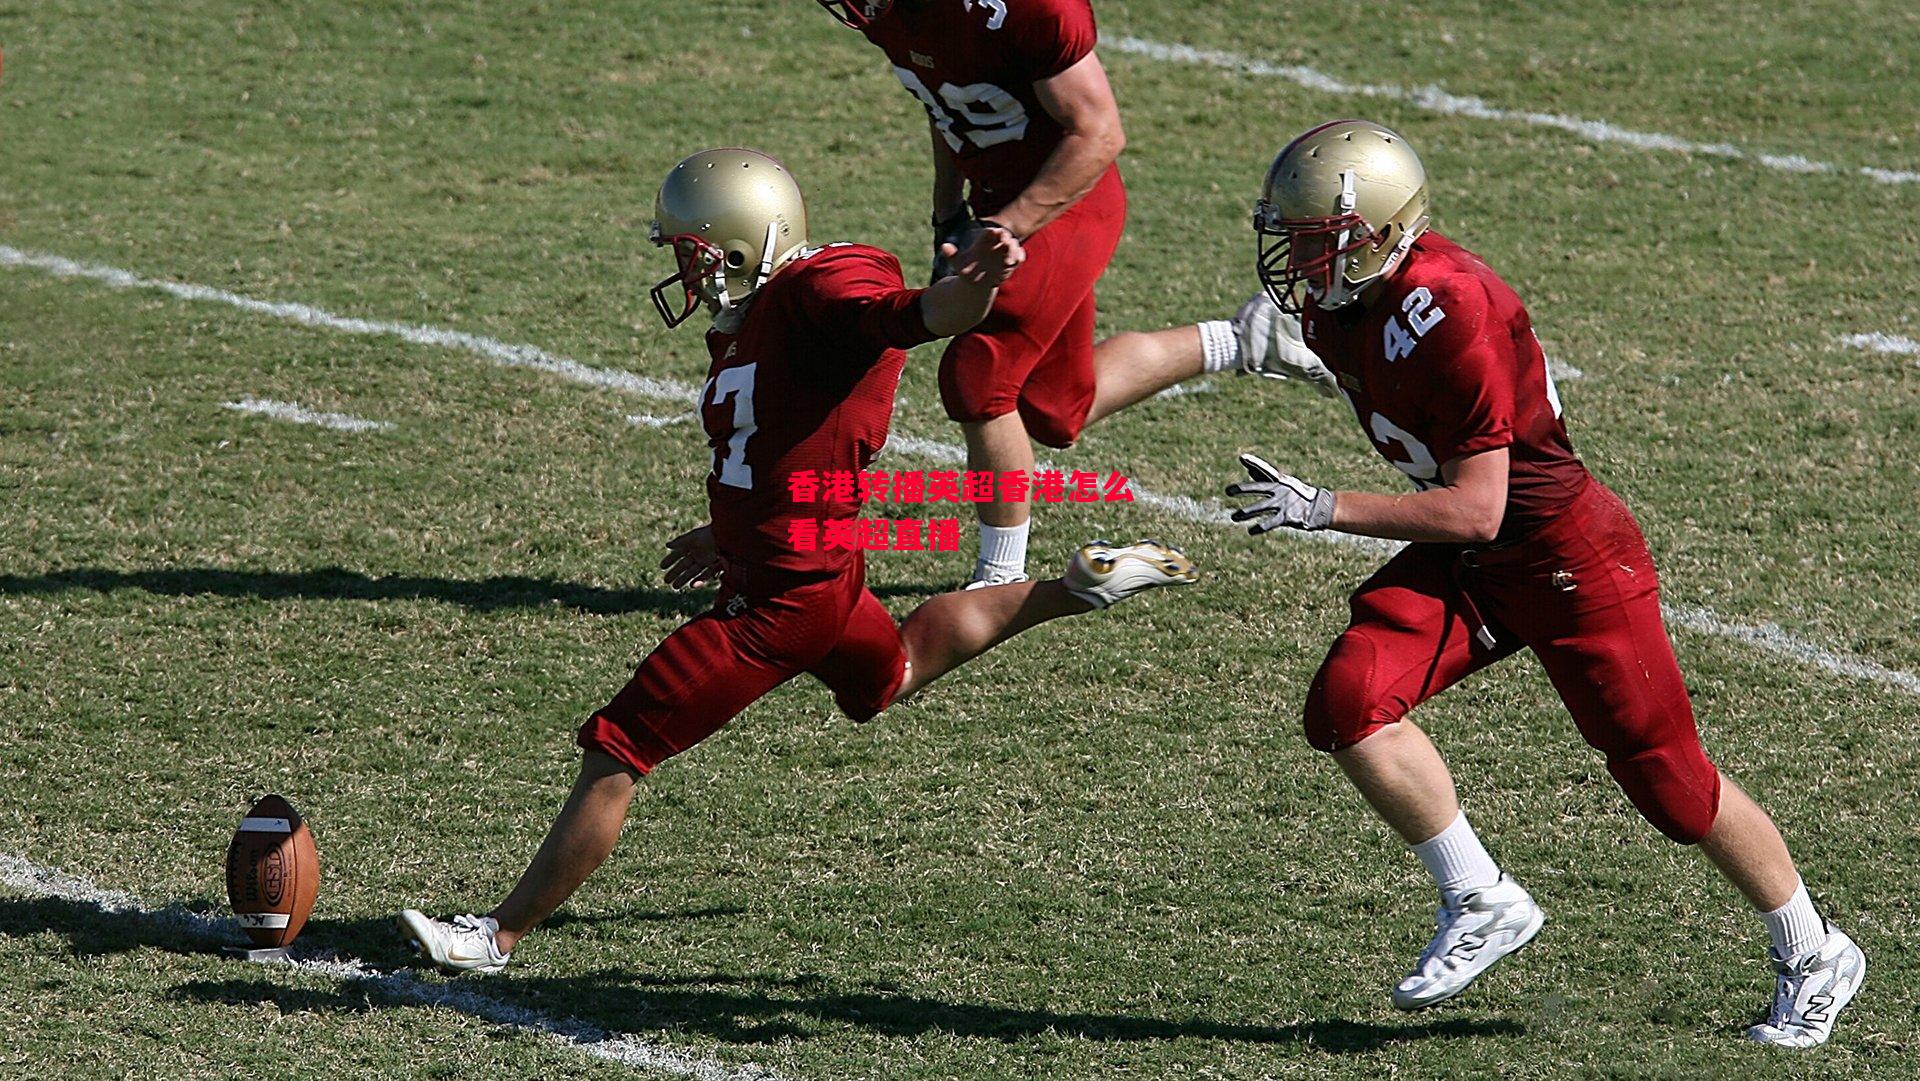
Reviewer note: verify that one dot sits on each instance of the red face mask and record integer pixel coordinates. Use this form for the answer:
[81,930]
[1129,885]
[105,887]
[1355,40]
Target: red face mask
[699,261]
[856,13]
[1299,257]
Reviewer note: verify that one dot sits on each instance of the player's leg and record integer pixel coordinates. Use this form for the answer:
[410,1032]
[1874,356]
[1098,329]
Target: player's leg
[876,663]
[1040,328]
[1407,642]
[693,683]
[1605,647]
[1000,445]
[579,841]
[954,628]
[980,378]
[1135,365]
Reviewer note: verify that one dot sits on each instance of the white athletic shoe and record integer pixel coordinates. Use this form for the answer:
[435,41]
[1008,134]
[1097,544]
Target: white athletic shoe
[1812,990]
[1479,928]
[462,944]
[1103,573]
[984,579]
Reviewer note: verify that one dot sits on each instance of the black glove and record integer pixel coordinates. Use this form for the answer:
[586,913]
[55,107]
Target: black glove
[955,229]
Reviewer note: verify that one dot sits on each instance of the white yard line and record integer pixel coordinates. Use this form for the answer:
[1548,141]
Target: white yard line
[1562,371]
[295,413]
[648,420]
[1436,100]
[1882,343]
[1767,638]
[1191,386]
[502,353]
[30,878]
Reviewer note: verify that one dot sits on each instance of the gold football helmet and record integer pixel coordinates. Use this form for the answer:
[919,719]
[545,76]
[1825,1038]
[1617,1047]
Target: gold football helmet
[1341,206]
[733,217]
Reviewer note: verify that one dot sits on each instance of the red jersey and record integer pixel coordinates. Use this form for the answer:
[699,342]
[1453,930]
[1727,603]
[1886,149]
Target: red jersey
[973,64]
[1444,363]
[806,382]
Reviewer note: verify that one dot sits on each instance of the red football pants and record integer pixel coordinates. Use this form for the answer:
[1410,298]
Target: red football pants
[1581,593]
[1034,351]
[718,663]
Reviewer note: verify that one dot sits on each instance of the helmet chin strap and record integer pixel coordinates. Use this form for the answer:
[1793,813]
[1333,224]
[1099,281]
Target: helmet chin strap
[722,303]
[765,269]
[1338,292]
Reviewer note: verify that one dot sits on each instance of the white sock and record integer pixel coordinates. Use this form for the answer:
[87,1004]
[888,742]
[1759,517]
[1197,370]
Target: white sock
[1219,346]
[1003,549]
[1456,859]
[1795,926]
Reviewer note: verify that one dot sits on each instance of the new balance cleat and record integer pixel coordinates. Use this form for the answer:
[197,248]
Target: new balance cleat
[1812,990]
[1471,932]
[462,944]
[1103,573]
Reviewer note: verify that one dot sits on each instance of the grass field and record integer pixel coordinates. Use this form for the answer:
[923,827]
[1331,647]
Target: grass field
[1102,852]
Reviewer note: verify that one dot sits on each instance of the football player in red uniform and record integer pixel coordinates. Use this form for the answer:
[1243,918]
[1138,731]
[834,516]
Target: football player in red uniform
[1021,115]
[1513,546]
[807,346]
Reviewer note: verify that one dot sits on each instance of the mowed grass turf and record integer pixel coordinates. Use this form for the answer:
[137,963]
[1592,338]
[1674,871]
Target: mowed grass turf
[1101,852]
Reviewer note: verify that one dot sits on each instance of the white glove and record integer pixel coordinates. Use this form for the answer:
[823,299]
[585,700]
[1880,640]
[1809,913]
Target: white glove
[1270,345]
[1285,500]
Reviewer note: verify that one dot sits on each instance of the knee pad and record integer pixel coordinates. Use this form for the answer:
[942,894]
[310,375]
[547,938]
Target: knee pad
[1341,710]
[1673,786]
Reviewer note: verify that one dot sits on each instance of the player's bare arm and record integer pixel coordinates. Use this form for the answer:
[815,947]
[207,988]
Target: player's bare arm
[957,303]
[1466,507]
[1081,100]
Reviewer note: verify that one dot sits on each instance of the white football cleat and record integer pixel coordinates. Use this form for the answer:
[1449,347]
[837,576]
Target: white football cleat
[462,944]
[995,578]
[1271,345]
[1103,573]
[1812,990]
[1477,929]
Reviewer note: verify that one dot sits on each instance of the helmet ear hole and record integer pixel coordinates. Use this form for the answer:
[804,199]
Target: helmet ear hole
[736,259]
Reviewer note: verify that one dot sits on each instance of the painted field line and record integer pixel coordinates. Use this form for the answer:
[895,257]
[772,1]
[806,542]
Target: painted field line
[648,420]
[295,413]
[1436,100]
[1773,639]
[1882,343]
[1767,638]
[503,353]
[34,880]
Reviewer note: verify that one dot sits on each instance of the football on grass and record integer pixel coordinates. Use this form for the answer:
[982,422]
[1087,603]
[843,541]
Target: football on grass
[273,872]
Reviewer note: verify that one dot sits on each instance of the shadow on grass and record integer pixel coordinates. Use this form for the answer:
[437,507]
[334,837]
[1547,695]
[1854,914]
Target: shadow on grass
[203,927]
[753,1011]
[335,583]
[758,1009]
[729,1008]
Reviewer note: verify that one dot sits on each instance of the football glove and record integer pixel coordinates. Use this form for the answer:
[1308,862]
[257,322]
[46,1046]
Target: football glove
[1270,345]
[955,229]
[692,559]
[1284,500]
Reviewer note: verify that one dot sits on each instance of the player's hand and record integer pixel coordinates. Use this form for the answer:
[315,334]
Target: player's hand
[1270,345]
[990,256]
[950,230]
[1282,500]
[692,559]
